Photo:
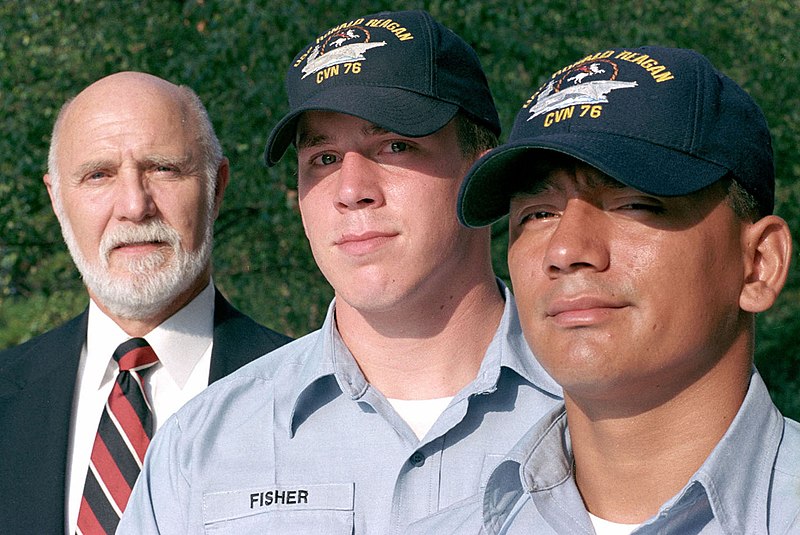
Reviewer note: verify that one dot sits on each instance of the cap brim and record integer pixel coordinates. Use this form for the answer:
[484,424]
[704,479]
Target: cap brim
[397,110]
[487,188]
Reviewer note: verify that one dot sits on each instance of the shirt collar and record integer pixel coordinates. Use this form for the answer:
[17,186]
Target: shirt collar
[316,375]
[736,489]
[331,357]
[542,460]
[318,362]
[180,341]
[508,349]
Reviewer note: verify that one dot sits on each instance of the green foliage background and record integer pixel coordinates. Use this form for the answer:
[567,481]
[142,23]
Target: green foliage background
[234,54]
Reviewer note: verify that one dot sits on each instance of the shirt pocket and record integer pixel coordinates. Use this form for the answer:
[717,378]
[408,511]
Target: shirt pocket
[283,509]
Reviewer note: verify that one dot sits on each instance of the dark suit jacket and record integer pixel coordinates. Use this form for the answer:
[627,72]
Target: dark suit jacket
[37,381]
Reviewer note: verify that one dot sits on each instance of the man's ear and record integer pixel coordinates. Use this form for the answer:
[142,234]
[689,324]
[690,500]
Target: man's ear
[223,176]
[48,181]
[303,221]
[767,247]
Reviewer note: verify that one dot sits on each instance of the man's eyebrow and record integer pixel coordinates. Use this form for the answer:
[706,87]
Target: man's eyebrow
[373,129]
[306,140]
[546,183]
[181,162]
[533,187]
[93,165]
[605,181]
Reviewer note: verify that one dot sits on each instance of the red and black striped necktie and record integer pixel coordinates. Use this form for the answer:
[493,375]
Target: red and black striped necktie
[123,435]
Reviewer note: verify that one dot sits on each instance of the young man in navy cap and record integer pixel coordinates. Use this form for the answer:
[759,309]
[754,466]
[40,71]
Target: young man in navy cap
[640,186]
[420,379]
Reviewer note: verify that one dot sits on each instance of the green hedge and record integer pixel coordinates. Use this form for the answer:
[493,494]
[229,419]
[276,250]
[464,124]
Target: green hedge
[234,54]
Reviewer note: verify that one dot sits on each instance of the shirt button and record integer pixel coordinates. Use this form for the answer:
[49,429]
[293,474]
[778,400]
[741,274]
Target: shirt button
[418,459]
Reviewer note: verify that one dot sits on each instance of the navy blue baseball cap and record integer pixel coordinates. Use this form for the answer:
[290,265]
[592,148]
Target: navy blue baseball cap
[400,70]
[661,120]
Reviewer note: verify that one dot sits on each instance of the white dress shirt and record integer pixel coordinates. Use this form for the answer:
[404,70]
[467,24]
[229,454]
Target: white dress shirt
[183,346]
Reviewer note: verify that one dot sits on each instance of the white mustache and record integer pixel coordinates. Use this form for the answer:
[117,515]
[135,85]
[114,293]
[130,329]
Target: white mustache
[153,231]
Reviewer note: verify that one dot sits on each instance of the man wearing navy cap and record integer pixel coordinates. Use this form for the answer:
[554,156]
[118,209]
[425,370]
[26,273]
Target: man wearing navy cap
[420,378]
[639,185]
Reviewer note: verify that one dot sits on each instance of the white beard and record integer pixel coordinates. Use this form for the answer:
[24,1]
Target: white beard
[154,280]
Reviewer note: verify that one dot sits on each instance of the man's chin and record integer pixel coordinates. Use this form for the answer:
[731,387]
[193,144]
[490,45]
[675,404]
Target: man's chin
[141,288]
[135,277]
[125,267]
[135,296]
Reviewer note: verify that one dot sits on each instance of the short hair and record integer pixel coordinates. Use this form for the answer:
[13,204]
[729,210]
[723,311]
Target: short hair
[52,167]
[473,137]
[206,137]
[742,202]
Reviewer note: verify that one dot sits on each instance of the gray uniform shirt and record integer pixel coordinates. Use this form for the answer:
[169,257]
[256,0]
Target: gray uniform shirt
[749,484]
[299,442]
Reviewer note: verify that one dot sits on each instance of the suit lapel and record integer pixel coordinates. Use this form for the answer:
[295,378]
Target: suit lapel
[229,351]
[37,419]
[238,339]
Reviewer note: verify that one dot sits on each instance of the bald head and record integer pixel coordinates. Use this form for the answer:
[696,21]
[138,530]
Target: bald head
[137,94]
[125,88]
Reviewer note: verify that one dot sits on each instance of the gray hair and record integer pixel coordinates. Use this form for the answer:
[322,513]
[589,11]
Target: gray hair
[193,109]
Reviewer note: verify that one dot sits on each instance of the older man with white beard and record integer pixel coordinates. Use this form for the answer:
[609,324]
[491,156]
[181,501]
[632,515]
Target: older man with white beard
[136,176]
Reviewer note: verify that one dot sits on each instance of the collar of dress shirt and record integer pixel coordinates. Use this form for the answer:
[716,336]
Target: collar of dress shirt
[179,342]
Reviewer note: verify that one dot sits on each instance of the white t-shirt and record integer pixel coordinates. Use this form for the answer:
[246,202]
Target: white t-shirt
[420,414]
[606,527]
